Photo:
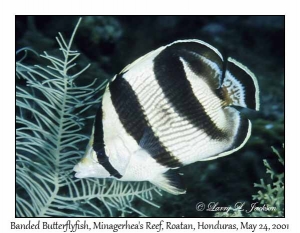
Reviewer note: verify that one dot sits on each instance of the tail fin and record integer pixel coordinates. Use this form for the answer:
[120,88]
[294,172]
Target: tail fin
[170,182]
[240,87]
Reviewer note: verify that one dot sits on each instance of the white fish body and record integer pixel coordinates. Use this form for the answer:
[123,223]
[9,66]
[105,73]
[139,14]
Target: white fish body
[168,109]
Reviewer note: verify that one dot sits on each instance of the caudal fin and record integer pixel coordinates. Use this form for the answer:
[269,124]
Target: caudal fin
[240,87]
[170,182]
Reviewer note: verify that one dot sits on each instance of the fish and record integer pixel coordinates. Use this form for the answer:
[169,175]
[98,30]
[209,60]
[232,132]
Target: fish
[174,106]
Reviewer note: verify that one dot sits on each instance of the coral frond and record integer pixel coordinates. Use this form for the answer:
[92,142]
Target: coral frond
[49,143]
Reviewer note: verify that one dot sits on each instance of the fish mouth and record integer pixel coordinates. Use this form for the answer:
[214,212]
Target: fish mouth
[76,168]
[78,173]
[84,170]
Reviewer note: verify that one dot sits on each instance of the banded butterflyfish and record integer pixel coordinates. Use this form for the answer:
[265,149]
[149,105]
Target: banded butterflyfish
[172,107]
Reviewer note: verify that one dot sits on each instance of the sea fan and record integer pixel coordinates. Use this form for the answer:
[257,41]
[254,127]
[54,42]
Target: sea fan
[51,114]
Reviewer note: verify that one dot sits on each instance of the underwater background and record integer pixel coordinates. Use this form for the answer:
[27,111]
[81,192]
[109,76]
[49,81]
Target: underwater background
[110,43]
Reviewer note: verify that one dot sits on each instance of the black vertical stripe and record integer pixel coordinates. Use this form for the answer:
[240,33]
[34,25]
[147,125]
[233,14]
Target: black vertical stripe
[192,53]
[200,49]
[98,145]
[170,75]
[202,69]
[134,121]
[241,134]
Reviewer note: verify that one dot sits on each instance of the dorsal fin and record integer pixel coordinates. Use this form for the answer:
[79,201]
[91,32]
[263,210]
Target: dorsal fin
[240,87]
[203,59]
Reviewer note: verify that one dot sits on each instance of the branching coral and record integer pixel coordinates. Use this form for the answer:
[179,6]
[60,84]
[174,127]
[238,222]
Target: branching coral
[271,194]
[51,113]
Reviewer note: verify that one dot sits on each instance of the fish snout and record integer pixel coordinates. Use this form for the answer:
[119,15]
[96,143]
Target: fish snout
[89,168]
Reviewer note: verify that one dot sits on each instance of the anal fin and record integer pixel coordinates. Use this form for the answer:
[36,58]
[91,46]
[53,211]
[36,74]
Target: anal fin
[170,182]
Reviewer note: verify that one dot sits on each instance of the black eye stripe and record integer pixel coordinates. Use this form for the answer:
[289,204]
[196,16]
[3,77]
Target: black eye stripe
[98,146]
[104,161]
